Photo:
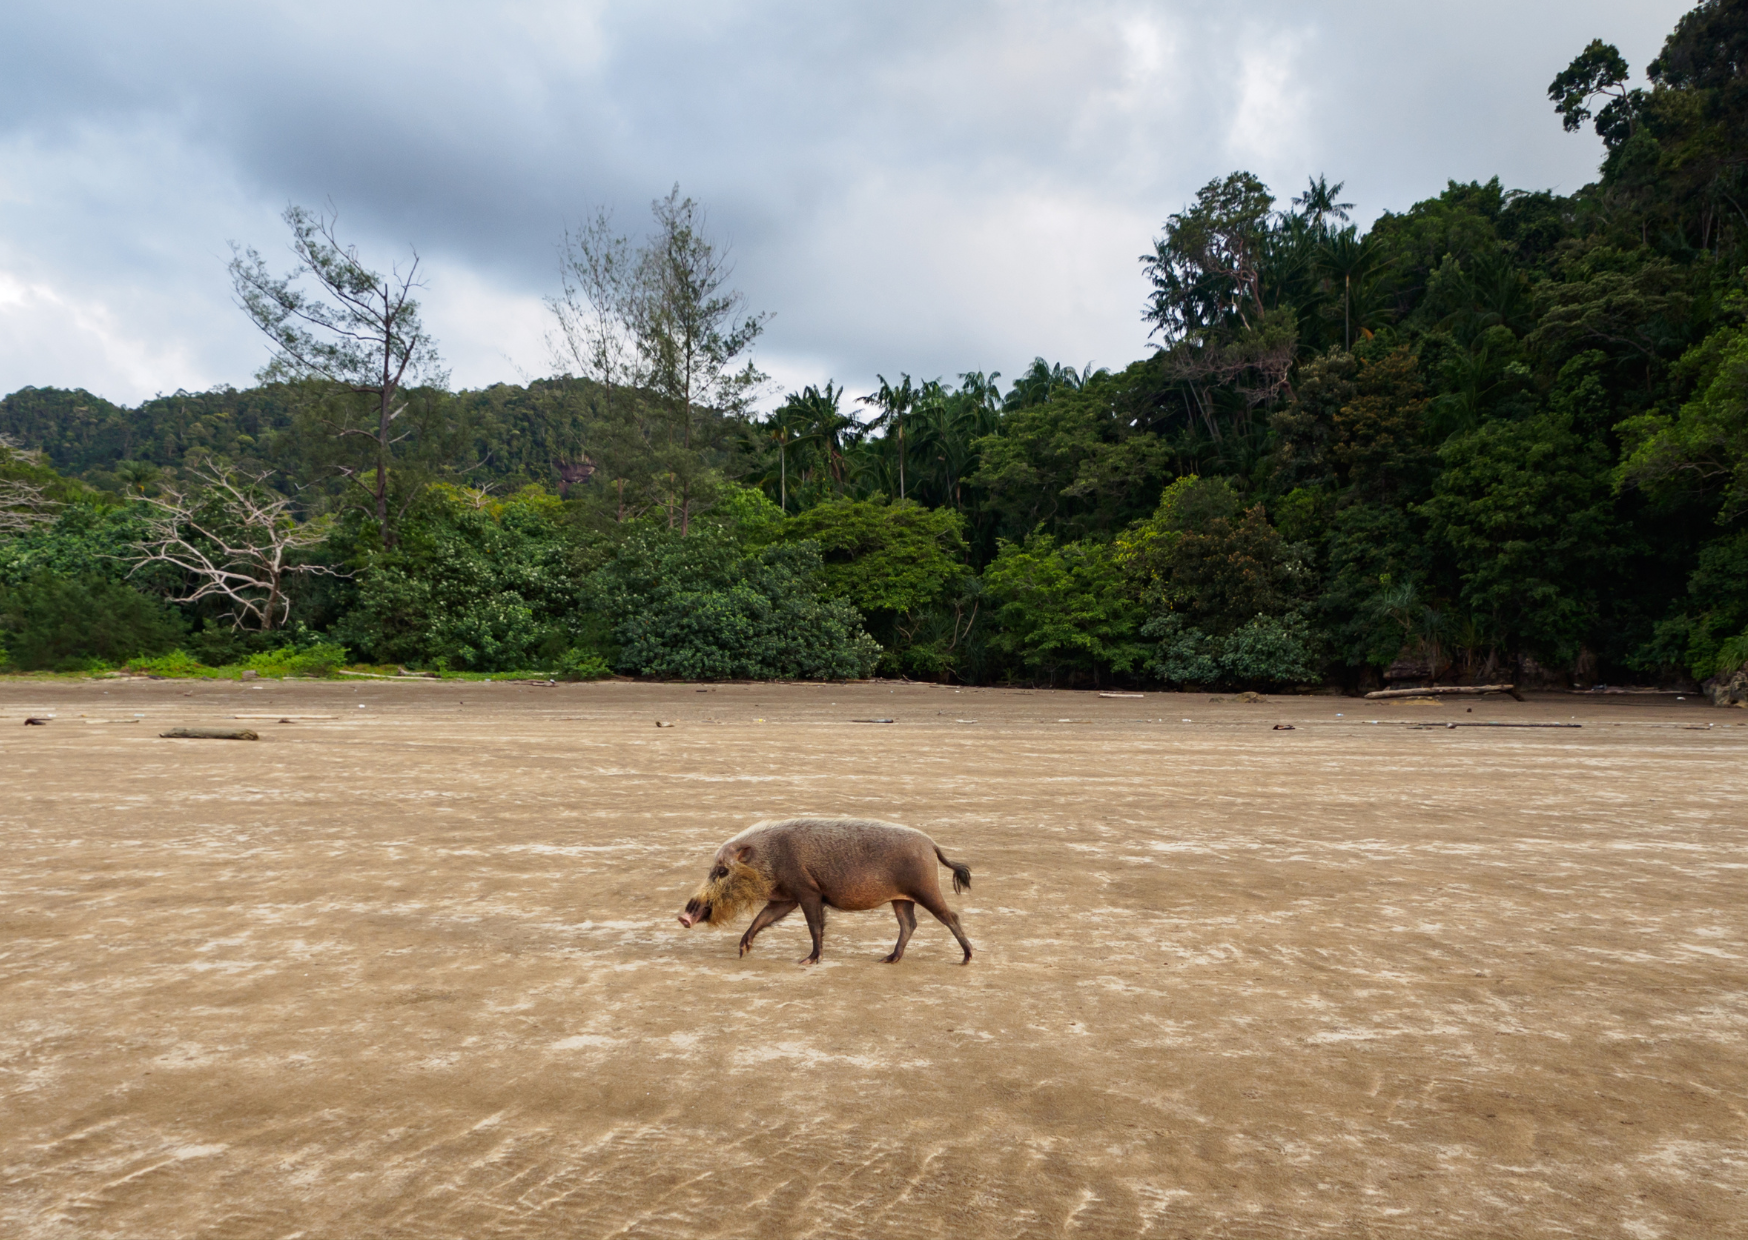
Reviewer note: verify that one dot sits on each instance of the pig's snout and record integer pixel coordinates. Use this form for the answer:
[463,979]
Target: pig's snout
[694,913]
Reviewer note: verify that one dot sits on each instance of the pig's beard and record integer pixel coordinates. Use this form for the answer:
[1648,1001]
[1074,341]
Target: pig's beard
[731,896]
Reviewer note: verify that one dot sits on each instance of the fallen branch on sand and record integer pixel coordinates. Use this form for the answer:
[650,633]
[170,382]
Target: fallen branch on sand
[1424,726]
[209,734]
[1441,690]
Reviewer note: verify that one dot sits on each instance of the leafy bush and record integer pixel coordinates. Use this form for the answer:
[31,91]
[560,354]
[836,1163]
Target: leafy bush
[317,660]
[702,607]
[73,624]
[582,665]
[83,541]
[1185,654]
[1269,650]
[178,664]
[478,586]
[1064,609]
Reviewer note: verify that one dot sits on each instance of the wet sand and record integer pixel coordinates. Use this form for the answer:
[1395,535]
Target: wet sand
[414,970]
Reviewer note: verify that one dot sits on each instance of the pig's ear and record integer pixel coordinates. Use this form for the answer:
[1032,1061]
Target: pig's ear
[744,853]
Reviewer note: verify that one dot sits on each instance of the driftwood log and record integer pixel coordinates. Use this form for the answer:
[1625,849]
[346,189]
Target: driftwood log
[210,734]
[1441,690]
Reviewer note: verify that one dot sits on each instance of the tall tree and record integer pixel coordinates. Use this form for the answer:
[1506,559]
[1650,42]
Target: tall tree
[893,401]
[1599,69]
[691,330]
[357,330]
[1318,203]
[660,325]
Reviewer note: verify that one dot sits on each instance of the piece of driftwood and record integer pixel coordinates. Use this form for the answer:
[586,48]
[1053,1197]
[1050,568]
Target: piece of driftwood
[38,721]
[1424,726]
[1442,690]
[870,721]
[1123,695]
[210,734]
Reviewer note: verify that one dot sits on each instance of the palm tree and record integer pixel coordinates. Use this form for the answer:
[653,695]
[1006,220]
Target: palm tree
[1352,259]
[893,403]
[1318,205]
[809,417]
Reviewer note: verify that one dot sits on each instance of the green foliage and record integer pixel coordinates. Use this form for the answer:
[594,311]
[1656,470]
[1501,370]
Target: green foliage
[1266,650]
[884,556]
[475,584]
[1203,557]
[177,665]
[323,659]
[577,664]
[1704,635]
[84,540]
[1065,610]
[705,607]
[1494,425]
[1524,512]
[1704,448]
[51,622]
[1077,464]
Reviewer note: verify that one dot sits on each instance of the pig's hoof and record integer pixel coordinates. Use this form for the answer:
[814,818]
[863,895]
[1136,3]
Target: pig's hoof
[808,960]
[894,958]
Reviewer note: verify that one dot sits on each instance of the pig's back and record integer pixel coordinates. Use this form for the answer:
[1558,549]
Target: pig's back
[841,837]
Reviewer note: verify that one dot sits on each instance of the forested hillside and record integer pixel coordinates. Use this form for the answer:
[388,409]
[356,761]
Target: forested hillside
[1503,434]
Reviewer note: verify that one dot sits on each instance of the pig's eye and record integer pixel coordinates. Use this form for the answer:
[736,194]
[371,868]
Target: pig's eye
[720,871]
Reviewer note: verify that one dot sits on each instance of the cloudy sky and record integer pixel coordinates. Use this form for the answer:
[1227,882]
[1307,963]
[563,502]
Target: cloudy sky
[918,187]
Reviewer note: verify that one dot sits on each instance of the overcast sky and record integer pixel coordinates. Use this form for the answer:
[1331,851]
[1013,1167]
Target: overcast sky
[918,187]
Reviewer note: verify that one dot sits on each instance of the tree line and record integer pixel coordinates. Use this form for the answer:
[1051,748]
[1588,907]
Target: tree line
[1502,433]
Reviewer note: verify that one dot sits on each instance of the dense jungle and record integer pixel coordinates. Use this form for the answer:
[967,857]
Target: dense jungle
[1501,435]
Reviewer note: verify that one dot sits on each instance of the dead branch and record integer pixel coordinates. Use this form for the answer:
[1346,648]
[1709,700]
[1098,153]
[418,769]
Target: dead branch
[22,504]
[234,539]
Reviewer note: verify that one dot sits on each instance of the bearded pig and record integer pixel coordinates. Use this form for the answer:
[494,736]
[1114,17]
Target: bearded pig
[818,863]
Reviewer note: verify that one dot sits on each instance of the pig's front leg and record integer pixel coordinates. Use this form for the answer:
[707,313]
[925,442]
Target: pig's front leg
[813,908]
[776,910]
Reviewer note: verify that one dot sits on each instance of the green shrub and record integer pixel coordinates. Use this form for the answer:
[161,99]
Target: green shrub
[1269,650]
[702,607]
[1064,609]
[316,660]
[75,623]
[1185,654]
[178,664]
[582,665]
[487,588]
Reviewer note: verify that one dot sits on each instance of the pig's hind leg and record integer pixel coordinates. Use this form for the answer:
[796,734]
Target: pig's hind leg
[905,911]
[932,901]
[776,910]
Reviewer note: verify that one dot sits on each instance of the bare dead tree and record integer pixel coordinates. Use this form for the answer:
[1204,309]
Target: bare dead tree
[235,539]
[359,331]
[22,503]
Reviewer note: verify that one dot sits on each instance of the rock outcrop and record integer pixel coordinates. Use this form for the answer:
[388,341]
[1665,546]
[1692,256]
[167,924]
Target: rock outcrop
[1730,689]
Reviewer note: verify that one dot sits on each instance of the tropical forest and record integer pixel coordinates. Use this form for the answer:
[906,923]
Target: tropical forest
[1499,436]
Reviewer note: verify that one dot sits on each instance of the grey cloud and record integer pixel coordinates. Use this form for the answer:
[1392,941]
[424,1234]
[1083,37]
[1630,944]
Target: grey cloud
[911,186]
